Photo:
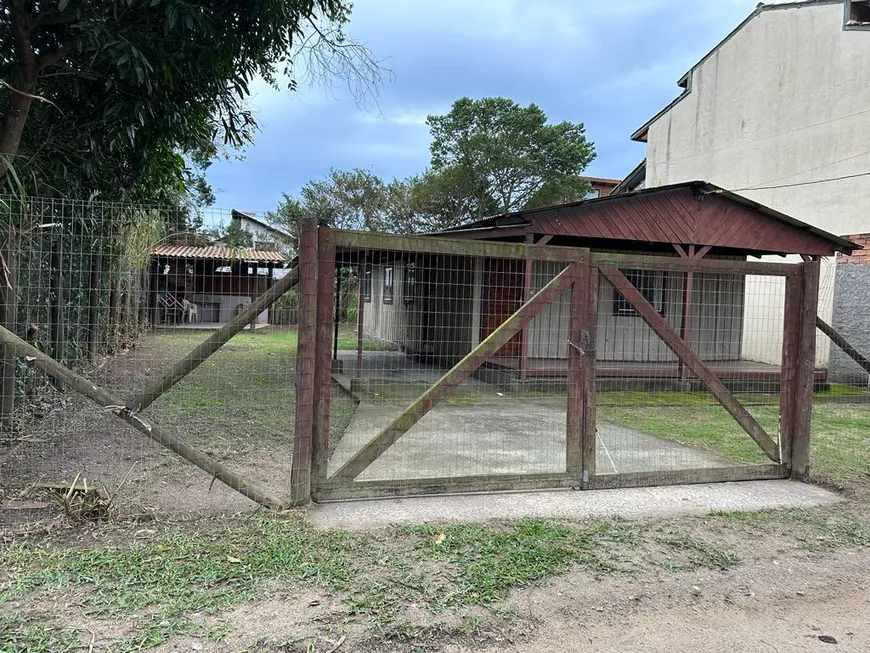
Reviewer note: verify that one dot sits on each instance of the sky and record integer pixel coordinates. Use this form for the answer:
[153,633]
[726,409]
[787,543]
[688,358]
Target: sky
[609,64]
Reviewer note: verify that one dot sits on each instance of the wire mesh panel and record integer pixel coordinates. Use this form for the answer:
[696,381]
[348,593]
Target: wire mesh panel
[124,296]
[689,375]
[432,387]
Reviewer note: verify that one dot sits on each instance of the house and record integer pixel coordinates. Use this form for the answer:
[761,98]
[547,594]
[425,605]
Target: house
[205,286]
[601,186]
[263,236]
[438,307]
[778,111]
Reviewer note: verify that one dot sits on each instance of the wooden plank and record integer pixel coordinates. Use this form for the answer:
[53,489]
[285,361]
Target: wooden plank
[589,368]
[688,357]
[452,246]
[789,366]
[527,293]
[8,319]
[575,387]
[115,406]
[803,388]
[456,375]
[323,368]
[690,476]
[360,315]
[686,321]
[675,264]
[843,344]
[214,342]
[306,352]
[449,485]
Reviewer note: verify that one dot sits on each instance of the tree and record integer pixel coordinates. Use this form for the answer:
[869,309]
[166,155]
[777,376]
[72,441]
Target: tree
[116,96]
[507,155]
[449,197]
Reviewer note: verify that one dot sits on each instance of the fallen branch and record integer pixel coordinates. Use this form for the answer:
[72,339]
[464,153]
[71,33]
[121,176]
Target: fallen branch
[114,405]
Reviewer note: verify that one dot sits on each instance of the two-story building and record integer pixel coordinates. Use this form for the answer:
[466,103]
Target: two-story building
[779,112]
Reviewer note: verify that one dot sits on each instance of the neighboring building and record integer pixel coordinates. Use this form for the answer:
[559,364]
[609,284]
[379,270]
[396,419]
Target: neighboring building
[441,306]
[601,186]
[264,236]
[205,286]
[779,112]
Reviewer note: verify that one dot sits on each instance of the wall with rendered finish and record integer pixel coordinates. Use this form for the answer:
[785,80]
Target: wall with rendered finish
[851,319]
[785,100]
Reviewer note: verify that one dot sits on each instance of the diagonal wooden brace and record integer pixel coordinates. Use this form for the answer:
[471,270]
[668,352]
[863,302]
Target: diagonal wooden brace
[689,359]
[214,342]
[113,405]
[843,344]
[461,371]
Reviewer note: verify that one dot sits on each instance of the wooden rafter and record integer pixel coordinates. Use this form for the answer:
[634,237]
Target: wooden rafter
[461,371]
[686,356]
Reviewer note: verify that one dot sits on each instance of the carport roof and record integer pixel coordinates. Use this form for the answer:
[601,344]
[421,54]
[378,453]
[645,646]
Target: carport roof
[689,213]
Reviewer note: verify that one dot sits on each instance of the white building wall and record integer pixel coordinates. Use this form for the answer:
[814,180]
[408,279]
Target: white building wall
[785,100]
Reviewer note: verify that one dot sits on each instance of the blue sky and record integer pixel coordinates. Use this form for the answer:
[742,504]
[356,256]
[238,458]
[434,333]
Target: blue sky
[608,64]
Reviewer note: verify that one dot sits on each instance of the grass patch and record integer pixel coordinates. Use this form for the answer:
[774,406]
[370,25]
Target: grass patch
[22,635]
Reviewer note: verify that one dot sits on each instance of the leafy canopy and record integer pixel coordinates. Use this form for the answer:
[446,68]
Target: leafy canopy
[122,96]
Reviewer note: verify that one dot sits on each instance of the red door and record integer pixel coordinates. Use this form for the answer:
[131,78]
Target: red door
[502,295]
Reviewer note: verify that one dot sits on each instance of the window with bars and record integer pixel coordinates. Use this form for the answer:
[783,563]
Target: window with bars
[367,284]
[652,284]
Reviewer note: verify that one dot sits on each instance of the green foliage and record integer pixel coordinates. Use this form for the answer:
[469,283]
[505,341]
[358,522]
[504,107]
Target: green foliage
[510,153]
[134,97]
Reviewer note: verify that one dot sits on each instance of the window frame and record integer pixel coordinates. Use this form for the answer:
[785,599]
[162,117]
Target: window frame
[368,274]
[850,5]
[650,283]
[389,284]
[409,284]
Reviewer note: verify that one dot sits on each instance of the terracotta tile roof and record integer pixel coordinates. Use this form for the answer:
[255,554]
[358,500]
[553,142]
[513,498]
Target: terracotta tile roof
[218,253]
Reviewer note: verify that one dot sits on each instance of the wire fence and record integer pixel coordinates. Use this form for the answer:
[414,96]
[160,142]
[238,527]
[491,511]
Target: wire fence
[120,294]
[128,297]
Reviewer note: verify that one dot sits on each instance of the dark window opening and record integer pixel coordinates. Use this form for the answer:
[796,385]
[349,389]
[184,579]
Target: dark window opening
[367,284]
[388,285]
[652,284]
[410,290]
[859,13]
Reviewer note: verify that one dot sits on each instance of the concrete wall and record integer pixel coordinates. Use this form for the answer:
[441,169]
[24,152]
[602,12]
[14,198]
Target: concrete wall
[851,318]
[785,100]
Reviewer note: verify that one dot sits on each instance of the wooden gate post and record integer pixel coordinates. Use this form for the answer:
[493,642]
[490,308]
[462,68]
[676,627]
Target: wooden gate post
[8,317]
[804,378]
[590,424]
[323,368]
[300,472]
[576,353]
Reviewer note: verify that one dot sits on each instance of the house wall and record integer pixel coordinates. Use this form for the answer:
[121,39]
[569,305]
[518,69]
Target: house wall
[783,101]
[716,325]
[851,313]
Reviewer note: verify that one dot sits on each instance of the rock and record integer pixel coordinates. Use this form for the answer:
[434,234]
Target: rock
[828,639]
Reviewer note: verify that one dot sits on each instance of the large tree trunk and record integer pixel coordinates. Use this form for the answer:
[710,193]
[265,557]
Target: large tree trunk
[13,127]
[22,93]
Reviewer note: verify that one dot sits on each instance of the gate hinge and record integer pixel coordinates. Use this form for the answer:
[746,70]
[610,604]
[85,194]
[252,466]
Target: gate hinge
[578,348]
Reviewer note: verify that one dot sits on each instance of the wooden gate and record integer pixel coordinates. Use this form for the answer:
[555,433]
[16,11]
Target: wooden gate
[440,283]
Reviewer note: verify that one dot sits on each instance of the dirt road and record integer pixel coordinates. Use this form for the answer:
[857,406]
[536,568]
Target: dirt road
[780,605]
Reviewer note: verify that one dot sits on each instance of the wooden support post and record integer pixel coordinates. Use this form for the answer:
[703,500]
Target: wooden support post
[360,314]
[306,356]
[576,353]
[56,312]
[686,321]
[698,368]
[94,305]
[336,315]
[590,424]
[790,353]
[843,344]
[527,293]
[8,319]
[114,405]
[461,371]
[213,343]
[806,361]
[323,365]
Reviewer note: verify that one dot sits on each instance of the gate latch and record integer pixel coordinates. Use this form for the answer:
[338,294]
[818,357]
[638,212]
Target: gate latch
[578,348]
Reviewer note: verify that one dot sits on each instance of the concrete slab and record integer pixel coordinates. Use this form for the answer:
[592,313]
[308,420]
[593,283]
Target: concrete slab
[670,501]
[503,435]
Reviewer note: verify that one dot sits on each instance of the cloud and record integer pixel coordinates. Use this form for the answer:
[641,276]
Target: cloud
[611,65]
